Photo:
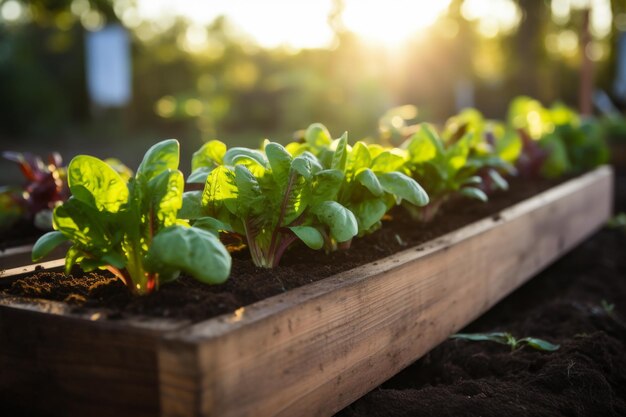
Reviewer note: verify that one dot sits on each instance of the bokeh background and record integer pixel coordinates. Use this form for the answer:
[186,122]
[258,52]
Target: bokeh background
[111,77]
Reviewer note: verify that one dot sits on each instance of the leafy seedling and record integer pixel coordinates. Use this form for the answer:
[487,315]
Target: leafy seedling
[443,169]
[372,178]
[130,228]
[617,222]
[508,339]
[272,199]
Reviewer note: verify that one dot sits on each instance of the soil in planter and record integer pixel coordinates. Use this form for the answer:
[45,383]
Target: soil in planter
[579,303]
[186,298]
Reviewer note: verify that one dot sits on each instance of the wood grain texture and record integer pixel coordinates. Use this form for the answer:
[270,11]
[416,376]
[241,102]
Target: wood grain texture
[55,362]
[314,350]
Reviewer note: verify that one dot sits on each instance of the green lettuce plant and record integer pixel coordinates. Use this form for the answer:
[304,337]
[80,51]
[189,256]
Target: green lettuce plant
[557,141]
[443,169]
[130,228]
[494,147]
[373,178]
[272,199]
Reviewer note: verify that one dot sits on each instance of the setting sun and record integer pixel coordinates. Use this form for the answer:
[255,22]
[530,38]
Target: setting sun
[393,21]
[300,24]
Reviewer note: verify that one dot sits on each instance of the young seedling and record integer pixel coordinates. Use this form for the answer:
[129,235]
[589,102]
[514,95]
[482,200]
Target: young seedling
[131,228]
[508,339]
[372,179]
[493,147]
[556,140]
[44,188]
[443,169]
[272,199]
[617,222]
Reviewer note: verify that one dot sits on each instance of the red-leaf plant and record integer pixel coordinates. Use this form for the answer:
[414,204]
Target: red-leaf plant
[44,188]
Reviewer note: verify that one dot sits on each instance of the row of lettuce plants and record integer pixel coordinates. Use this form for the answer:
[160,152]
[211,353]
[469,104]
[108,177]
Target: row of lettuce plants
[324,192]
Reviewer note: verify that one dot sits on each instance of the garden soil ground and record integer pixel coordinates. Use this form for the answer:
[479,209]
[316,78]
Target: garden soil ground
[579,303]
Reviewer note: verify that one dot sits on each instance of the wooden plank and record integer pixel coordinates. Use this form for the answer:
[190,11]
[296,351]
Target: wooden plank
[54,265]
[57,362]
[314,350]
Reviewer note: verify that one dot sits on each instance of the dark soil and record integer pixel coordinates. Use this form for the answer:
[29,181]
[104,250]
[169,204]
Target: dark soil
[189,299]
[579,303]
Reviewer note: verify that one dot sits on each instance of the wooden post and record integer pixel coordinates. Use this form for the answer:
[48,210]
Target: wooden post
[586,69]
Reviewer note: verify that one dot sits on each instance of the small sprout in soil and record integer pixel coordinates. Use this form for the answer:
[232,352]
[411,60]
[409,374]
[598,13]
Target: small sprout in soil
[617,222]
[608,307]
[508,339]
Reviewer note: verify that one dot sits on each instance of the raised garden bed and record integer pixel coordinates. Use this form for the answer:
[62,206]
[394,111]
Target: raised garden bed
[310,351]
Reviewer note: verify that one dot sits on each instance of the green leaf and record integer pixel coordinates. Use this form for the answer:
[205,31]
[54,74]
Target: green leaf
[313,165]
[301,166]
[540,344]
[358,158]
[388,161]
[326,185]
[166,196]
[473,180]
[209,155]
[341,222]
[192,250]
[368,179]
[84,225]
[280,162]
[296,198]
[457,154]
[117,165]
[249,194]
[429,132]
[72,257]
[95,183]
[46,243]
[474,193]
[369,212]
[238,153]
[509,146]
[199,176]
[498,180]
[113,258]
[497,337]
[421,147]
[309,235]
[159,158]
[317,136]
[403,187]
[212,225]
[220,190]
[192,205]
[558,162]
[341,153]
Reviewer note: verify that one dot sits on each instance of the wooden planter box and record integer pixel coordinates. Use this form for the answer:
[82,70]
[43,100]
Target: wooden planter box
[308,352]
